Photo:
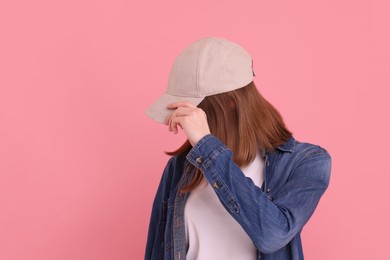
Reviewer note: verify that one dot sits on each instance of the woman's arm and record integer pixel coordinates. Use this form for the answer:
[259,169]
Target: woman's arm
[270,224]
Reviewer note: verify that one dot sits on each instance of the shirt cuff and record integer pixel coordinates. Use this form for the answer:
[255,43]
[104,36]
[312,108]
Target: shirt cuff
[205,151]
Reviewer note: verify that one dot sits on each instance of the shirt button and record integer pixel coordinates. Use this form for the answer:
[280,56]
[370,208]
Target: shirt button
[198,160]
[215,185]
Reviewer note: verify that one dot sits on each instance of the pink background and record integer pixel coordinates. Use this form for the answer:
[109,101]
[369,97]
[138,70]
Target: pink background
[80,161]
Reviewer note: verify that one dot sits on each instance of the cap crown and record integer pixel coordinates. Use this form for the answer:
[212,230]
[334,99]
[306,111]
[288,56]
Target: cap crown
[210,66]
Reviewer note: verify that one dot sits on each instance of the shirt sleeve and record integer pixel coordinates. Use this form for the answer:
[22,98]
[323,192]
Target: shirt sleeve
[271,224]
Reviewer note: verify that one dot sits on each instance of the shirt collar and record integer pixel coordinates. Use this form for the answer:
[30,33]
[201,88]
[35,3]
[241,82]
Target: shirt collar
[287,146]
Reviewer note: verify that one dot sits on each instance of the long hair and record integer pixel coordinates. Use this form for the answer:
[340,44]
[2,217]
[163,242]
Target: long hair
[244,121]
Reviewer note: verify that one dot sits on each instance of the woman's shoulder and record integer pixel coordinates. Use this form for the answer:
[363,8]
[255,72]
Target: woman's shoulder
[309,158]
[176,161]
[295,152]
[174,168]
[308,149]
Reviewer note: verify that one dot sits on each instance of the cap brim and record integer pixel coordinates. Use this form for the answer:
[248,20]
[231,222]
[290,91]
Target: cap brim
[158,111]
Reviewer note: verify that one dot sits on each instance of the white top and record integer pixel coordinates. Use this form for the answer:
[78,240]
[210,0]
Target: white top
[212,233]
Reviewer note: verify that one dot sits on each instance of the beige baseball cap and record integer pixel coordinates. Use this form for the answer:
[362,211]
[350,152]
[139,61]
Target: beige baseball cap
[207,67]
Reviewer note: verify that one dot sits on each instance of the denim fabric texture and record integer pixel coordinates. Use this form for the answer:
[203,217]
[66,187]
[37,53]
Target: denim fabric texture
[296,175]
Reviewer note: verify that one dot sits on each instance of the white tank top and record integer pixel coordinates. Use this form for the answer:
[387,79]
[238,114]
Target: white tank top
[212,233]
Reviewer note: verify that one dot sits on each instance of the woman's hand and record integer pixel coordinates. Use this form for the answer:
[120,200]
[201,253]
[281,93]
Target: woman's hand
[190,118]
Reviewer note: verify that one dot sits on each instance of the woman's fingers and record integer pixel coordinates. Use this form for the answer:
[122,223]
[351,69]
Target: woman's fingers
[181,111]
[174,121]
[170,122]
[184,111]
[180,104]
[177,117]
[190,118]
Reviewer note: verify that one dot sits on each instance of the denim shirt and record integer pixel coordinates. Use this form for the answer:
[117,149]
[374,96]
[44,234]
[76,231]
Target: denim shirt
[295,177]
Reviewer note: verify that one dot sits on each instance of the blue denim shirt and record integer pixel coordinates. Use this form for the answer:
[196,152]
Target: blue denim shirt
[295,177]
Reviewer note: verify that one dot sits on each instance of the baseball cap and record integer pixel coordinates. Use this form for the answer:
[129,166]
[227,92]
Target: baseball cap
[209,66]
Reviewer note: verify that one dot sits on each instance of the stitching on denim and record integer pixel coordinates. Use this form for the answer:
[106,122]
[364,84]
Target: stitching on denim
[214,154]
[166,248]
[224,186]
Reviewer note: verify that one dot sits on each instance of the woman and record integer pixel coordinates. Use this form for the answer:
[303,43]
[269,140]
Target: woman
[241,187]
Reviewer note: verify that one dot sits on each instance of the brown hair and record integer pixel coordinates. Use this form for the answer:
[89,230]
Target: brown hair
[243,120]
